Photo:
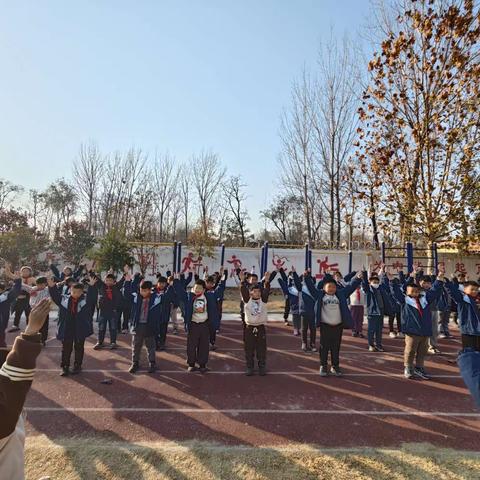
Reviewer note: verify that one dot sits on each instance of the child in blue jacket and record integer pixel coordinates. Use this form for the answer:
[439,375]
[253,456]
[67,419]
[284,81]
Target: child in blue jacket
[468,312]
[378,305]
[291,295]
[416,323]
[332,316]
[7,297]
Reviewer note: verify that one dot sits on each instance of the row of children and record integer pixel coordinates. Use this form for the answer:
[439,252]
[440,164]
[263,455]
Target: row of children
[418,302]
[322,305]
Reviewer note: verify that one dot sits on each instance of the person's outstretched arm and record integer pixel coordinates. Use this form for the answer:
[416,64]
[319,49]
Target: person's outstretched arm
[16,374]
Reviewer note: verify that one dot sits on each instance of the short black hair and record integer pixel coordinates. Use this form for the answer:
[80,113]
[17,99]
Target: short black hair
[471,283]
[78,286]
[69,281]
[425,278]
[329,280]
[255,286]
[210,279]
[110,275]
[146,285]
[161,279]
[200,282]
[374,277]
[413,285]
[41,281]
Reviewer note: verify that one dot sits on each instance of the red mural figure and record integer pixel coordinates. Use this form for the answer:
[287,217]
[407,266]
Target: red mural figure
[324,266]
[398,266]
[191,264]
[236,263]
[278,262]
[460,268]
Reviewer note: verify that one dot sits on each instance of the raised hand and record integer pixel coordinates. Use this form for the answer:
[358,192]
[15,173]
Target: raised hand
[267,276]
[37,317]
[92,281]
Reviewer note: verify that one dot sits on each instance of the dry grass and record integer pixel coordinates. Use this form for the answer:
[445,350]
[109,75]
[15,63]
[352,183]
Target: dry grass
[231,301]
[85,459]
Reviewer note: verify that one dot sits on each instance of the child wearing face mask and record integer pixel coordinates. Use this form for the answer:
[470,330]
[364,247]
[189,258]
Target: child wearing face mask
[332,316]
[416,323]
[378,304]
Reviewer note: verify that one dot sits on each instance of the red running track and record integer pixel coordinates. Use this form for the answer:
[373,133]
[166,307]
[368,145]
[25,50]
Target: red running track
[373,405]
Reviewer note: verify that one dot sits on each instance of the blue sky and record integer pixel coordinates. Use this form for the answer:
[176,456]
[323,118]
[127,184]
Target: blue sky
[168,75]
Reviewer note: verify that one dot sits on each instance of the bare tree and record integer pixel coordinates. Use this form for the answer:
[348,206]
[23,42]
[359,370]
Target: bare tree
[207,175]
[8,191]
[87,172]
[235,199]
[166,177]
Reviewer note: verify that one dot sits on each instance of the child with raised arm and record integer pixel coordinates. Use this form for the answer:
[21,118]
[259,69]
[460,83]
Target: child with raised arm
[109,304]
[7,297]
[467,311]
[75,321]
[197,309]
[22,302]
[291,294]
[332,316]
[214,291]
[416,323]
[255,300]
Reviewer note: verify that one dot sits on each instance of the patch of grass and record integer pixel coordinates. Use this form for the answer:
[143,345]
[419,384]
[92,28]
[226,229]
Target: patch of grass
[86,458]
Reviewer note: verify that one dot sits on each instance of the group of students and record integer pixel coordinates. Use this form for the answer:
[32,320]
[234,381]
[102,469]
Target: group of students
[419,303]
[330,305]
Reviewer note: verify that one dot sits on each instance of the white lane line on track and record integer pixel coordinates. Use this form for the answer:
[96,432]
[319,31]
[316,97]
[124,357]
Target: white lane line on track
[241,372]
[414,413]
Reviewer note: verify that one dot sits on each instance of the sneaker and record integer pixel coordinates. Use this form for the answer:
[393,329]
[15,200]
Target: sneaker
[175,331]
[133,368]
[400,335]
[13,328]
[442,336]
[152,368]
[392,335]
[434,351]
[408,372]
[420,372]
[361,335]
[113,346]
[76,369]
[336,371]
[313,348]
[213,348]
[286,323]
[125,331]
[249,372]
[305,348]
[296,333]
[371,348]
[262,371]
[380,348]
[354,334]
[323,371]
[191,369]
[65,372]
[204,369]
[98,346]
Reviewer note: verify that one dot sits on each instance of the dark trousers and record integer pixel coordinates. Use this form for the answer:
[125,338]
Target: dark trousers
[391,322]
[255,341]
[471,341]
[286,309]
[140,337]
[68,345]
[197,343]
[330,341]
[124,313]
[375,326]
[44,329]
[308,323]
[110,319]
[213,334]
[297,321]
[3,327]
[22,305]
[161,338]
